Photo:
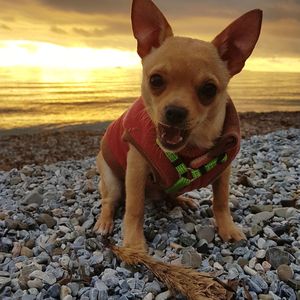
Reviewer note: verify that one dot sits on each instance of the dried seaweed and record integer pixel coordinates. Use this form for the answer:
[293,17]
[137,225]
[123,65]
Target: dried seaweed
[192,284]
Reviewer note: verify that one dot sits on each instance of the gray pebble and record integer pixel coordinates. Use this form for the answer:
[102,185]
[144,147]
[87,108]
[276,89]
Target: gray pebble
[285,272]
[48,278]
[205,232]
[164,296]
[152,287]
[33,197]
[276,257]
[191,257]
[66,193]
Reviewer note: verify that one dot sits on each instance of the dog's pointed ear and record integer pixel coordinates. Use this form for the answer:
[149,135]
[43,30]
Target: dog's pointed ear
[149,26]
[236,42]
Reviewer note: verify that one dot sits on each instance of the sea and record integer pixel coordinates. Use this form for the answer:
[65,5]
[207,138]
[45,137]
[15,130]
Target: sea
[50,98]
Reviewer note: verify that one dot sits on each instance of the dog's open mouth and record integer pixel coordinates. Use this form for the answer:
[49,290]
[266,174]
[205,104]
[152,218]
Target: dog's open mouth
[172,138]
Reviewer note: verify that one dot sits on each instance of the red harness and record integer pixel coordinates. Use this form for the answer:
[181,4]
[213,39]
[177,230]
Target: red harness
[172,173]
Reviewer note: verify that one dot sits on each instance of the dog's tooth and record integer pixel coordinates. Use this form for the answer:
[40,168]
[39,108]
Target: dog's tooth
[175,142]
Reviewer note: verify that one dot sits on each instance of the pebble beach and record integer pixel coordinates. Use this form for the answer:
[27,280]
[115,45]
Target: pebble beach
[48,249]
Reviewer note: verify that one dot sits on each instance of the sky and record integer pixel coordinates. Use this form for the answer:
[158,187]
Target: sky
[97,33]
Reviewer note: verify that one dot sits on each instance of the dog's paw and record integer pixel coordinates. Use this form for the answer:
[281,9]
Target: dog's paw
[185,203]
[104,227]
[231,233]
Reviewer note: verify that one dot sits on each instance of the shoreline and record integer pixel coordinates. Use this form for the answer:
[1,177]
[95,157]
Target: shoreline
[48,144]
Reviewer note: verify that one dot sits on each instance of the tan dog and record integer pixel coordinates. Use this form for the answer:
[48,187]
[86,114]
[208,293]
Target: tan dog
[184,96]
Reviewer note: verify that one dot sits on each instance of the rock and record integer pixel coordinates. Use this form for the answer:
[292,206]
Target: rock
[262,216]
[188,239]
[261,243]
[26,271]
[245,181]
[69,194]
[65,261]
[268,231]
[152,287]
[46,277]
[258,267]
[176,213]
[94,294]
[240,251]
[260,208]
[91,173]
[34,197]
[249,271]
[205,232]
[260,254]
[266,266]
[164,296]
[149,296]
[46,219]
[277,257]
[189,227]
[4,281]
[88,223]
[27,170]
[54,291]
[233,273]
[74,287]
[191,257]
[26,252]
[285,272]
[64,291]
[218,266]
[265,297]
[280,212]
[89,187]
[294,283]
[286,292]
[35,283]
[288,202]
[6,245]
[242,261]
[30,244]
[254,230]
[253,286]
[110,278]
[260,282]
[252,262]
[16,250]
[202,246]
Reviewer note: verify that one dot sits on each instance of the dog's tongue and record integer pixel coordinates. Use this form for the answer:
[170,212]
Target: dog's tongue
[171,135]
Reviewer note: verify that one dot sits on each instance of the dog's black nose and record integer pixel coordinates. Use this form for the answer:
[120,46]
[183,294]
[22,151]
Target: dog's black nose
[175,114]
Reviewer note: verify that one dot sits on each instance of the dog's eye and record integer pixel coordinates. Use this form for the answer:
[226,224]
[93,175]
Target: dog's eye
[156,81]
[207,92]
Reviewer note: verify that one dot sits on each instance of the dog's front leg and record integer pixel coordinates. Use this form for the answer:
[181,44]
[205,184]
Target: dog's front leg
[135,183]
[226,227]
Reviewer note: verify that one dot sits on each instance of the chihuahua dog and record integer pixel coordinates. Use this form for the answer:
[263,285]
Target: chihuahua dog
[183,132]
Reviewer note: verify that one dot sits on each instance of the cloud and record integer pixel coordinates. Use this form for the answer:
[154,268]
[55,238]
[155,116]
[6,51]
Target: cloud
[90,6]
[89,33]
[106,23]
[5,27]
[58,30]
[277,9]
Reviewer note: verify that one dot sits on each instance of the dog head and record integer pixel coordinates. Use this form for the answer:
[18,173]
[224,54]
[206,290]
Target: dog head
[185,80]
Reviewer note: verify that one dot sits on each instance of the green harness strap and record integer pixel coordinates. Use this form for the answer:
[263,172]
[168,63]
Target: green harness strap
[183,170]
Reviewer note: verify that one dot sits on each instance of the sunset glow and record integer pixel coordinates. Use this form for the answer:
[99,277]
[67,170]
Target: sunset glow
[46,55]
